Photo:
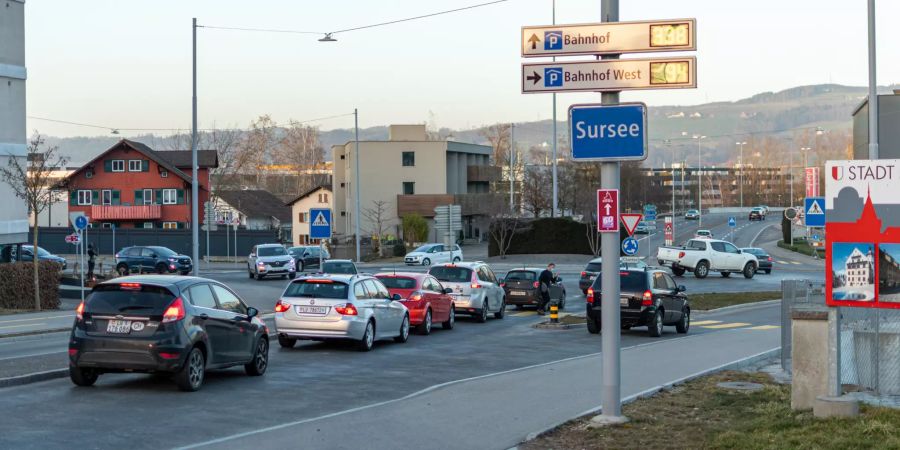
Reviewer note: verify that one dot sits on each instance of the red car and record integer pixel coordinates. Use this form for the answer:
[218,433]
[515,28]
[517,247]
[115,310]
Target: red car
[428,302]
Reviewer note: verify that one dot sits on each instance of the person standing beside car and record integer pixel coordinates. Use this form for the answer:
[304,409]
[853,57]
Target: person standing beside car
[545,279]
[92,259]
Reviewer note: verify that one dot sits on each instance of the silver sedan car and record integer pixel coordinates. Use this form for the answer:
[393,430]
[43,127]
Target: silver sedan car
[347,307]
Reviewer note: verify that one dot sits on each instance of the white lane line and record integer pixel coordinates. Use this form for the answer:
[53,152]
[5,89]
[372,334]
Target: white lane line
[753,241]
[33,355]
[36,318]
[20,326]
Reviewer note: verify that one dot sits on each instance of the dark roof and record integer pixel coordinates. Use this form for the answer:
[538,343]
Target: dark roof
[181,159]
[257,203]
[308,193]
[140,148]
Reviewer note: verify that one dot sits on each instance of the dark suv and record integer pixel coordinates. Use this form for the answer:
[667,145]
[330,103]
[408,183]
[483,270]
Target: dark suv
[307,256]
[151,259]
[648,297]
[165,324]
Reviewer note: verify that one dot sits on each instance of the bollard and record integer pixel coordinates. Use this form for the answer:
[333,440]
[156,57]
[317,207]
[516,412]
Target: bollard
[554,314]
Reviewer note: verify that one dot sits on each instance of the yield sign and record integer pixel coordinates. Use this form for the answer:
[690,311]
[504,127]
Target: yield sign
[631,221]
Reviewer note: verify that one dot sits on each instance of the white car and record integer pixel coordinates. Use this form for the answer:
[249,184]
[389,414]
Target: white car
[703,234]
[430,254]
[702,256]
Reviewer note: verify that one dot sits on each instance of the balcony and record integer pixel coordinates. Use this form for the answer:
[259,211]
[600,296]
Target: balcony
[143,212]
[482,174]
[472,204]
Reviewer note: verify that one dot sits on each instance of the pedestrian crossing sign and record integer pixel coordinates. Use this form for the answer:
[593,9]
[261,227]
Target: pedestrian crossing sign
[320,220]
[320,227]
[815,212]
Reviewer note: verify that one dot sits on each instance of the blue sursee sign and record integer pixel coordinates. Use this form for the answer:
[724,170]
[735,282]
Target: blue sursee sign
[608,132]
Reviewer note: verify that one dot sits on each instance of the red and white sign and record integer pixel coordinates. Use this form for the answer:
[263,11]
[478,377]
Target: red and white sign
[608,210]
[73,238]
[670,231]
[812,181]
[631,222]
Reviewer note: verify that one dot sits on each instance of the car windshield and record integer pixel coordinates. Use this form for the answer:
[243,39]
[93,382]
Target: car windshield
[398,282]
[754,251]
[41,251]
[594,267]
[295,251]
[272,251]
[521,275]
[631,281]
[451,274]
[339,267]
[423,249]
[162,251]
[693,211]
[317,289]
[133,299]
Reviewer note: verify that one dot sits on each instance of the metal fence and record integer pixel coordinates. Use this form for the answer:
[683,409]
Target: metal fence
[796,294]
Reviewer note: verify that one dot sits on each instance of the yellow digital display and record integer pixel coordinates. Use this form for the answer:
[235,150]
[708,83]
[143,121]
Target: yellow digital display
[673,72]
[670,35]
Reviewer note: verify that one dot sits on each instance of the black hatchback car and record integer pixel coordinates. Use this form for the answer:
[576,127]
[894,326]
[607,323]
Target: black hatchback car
[179,326]
[152,259]
[306,256]
[648,297]
[765,260]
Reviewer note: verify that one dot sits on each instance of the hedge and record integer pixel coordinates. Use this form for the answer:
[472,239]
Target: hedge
[17,285]
[545,236]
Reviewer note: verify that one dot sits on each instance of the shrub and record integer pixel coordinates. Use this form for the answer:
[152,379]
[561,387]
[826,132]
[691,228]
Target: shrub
[548,235]
[399,249]
[415,228]
[17,285]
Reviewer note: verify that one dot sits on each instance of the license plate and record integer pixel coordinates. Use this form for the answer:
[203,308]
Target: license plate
[311,309]
[519,293]
[118,326]
[623,302]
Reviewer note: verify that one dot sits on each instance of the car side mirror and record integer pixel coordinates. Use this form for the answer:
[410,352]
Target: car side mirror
[447,290]
[306,254]
[501,280]
[681,288]
[396,297]
[252,312]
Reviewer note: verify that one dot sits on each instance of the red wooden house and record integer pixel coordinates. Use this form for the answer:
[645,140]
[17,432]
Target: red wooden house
[131,185]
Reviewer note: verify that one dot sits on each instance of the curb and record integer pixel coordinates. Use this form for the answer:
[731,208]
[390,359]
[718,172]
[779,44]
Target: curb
[33,377]
[741,306]
[739,364]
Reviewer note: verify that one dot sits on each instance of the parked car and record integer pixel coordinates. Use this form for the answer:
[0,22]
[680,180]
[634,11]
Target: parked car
[704,255]
[270,260]
[179,326]
[757,214]
[692,214]
[152,259]
[429,254]
[43,255]
[647,297]
[475,289]
[595,266]
[423,295]
[348,307]
[307,256]
[339,266]
[762,256]
[703,234]
[522,288]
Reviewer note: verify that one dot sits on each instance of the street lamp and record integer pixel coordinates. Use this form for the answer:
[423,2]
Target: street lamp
[742,144]
[669,144]
[699,139]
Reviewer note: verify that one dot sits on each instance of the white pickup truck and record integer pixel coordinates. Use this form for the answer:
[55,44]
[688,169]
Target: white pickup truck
[704,255]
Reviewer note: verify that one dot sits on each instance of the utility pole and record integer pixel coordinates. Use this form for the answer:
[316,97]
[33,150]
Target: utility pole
[555,139]
[873,87]
[699,138]
[742,143]
[669,144]
[195,216]
[512,156]
[356,171]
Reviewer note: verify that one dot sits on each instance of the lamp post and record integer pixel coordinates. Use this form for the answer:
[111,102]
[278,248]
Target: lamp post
[195,214]
[742,144]
[669,144]
[555,139]
[699,139]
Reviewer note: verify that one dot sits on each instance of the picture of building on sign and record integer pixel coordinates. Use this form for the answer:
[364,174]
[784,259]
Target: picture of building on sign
[853,271]
[889,272]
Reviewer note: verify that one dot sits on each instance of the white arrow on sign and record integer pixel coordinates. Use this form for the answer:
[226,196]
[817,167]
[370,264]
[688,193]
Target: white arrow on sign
[607,207]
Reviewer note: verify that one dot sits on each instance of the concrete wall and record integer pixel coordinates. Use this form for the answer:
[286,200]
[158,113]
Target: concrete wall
[14,214]
[302,206]
[415,132]
[809,357]
[888,131]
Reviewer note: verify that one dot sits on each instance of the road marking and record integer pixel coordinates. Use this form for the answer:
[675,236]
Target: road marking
[726,325]
[524,314]
[23,325]
[36,318]
[705,322]
[33,355]
[764,327]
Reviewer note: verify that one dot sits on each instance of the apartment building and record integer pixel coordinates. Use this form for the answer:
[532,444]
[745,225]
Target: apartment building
[14,214]
[317,197]
[410,174]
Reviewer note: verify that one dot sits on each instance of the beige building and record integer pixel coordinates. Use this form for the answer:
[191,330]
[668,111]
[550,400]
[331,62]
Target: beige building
[14,214]
[410,174]
[317,197]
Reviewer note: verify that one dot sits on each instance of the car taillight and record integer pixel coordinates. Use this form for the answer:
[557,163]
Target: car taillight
[583,274]
[281,306]
[73,351]
[647,300]
[416,296]
[168,355]
[174,312]
[502,284]
[769,258]
[590,296]
[475,284]
[536,284]
[346,309]
[79,312]
[130,286]
[681,254]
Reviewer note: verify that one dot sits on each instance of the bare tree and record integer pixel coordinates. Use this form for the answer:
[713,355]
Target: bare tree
[379,220]
[536,190]
[256,147]
[591,233]
[503,226]
[301,149]
[31,181]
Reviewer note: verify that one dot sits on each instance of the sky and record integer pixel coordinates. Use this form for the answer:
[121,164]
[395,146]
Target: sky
[127,64]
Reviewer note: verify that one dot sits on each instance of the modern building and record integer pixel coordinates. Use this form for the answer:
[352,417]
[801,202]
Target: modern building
[131,185]
[888,131]
[721,186]
[253,209]
[860,269]
[317,197]
[14,214]
[410,174]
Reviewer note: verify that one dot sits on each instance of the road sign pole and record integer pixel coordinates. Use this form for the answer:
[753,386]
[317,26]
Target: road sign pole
[195,178]
[81,264]
[611,339]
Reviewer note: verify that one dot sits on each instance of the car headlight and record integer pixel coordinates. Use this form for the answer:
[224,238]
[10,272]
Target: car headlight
[171,259]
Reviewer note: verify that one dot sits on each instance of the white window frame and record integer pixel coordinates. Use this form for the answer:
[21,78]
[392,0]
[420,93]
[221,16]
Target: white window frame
[164,173]
[148,196]
[148,223]
[140,165]
[103,195]
[90,197]
[106,225]
[121,164]
[170,225]
[168,201]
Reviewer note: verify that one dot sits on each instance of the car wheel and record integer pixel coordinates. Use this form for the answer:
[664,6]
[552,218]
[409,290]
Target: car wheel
[482,316]
[677,271]
[404,331]
[502,312]
[185,273]
[122,270]
[562,302]
[257,366]
[684,324]
[725,274]
[448,325]
[160,269]
[190,377]
[292,275]
[593,326]
[259,276]
[456,260]
[368,340]
[425,327]
[286,342]
[655,328]
[83,377]
[768,271]
[426,262]
[702,269]
[749,270]
[250,273]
